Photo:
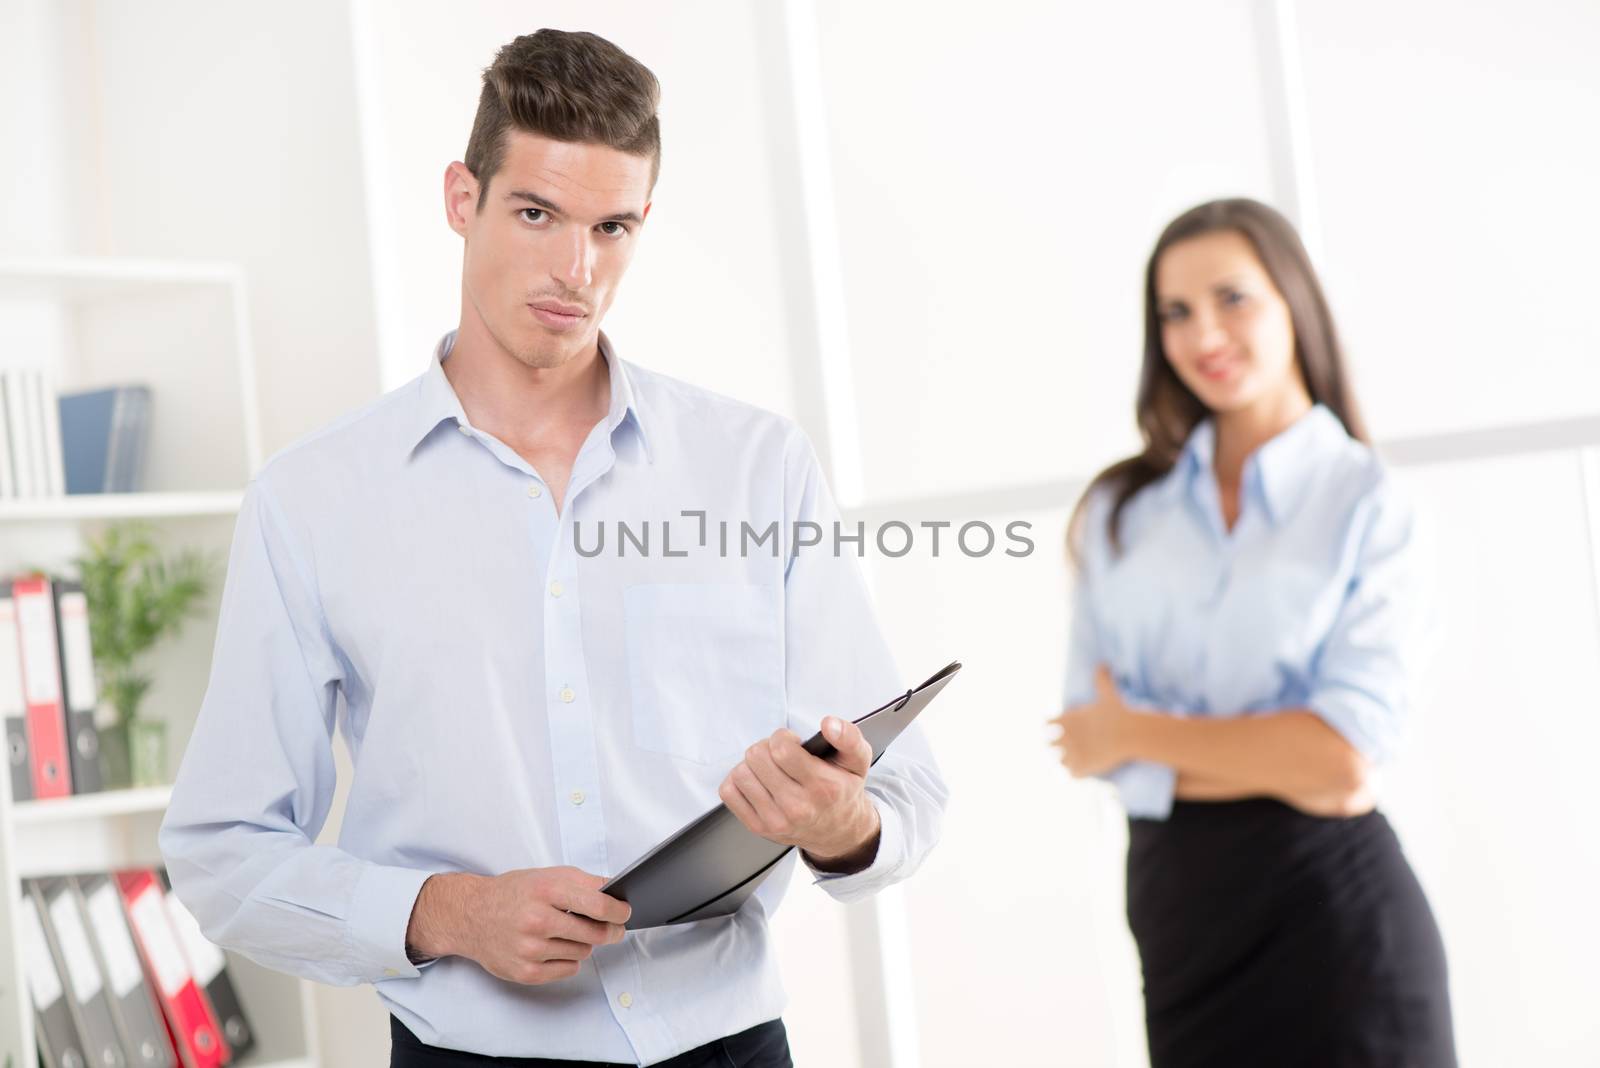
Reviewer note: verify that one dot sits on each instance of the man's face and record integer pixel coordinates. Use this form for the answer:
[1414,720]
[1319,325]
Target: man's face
[545,254]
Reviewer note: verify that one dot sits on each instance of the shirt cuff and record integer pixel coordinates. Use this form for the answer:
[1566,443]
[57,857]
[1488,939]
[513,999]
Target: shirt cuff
[1146,789]
[1365,723]
[891,854]
[380,914]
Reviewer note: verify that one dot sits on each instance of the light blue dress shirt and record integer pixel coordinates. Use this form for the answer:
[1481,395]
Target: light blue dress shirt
[510,702]
[1311,601]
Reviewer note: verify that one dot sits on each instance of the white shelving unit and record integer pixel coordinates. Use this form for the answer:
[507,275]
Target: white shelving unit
[183,329]
[107,506]
[91,807]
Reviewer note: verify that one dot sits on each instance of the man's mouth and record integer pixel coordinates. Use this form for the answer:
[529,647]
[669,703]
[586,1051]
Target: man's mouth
[554,313]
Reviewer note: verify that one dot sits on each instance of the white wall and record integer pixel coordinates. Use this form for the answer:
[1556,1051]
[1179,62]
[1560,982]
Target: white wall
[1456,159]
[1018,948]
[229,132]
[38,141]
[1492,795]
[43,179]
[1000,178]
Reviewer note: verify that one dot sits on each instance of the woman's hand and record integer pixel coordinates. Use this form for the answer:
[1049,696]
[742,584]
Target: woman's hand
[1094,736]
[1342,803]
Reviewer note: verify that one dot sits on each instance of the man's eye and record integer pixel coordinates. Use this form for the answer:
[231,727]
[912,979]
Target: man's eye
[1171,315]
[533,215]
[613,229]
[1233,296]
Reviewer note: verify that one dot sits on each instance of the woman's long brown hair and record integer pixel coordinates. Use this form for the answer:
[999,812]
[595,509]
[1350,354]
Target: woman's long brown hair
[1166,409]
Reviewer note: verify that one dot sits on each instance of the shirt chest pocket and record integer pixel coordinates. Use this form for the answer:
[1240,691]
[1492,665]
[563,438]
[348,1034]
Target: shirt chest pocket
[705,667]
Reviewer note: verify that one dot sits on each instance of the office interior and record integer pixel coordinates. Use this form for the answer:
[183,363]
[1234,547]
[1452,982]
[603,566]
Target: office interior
[920,232]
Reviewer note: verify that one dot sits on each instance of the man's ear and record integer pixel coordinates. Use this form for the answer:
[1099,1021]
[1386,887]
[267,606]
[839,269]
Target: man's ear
[645,214]
[460,197]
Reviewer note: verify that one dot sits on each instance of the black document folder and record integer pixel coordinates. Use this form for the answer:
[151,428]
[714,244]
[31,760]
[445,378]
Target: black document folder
[713,865]
[13,702]
[87,998]
[59,1043]
[78,697]
[133,1006]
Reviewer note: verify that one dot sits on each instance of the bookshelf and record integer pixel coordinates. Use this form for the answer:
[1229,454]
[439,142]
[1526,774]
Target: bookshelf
[183,329]
[108,805]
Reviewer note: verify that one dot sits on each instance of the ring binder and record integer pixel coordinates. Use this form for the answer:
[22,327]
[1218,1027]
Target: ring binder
[711,867]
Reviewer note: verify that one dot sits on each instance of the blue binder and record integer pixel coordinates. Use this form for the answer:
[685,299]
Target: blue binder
[103,434]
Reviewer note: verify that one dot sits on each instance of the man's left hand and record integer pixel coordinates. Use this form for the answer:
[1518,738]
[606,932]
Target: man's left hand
[788,796]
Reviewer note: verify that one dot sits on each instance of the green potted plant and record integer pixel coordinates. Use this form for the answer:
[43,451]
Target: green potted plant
[137,596]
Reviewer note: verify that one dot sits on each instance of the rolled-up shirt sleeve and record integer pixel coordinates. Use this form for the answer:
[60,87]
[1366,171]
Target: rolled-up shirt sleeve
[838,663]
[1146,789]
[258,778]
[1361,676]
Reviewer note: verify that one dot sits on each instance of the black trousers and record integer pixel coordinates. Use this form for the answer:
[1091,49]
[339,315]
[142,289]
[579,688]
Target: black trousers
[762,1046]
[1272,937]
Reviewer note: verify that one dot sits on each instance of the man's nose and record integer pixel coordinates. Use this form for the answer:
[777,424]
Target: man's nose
[575,268]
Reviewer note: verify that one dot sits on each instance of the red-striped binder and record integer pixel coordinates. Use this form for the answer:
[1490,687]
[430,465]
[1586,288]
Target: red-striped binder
[41,687]
[190,1017]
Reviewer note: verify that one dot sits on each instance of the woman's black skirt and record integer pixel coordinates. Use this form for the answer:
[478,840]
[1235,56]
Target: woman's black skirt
[1271,937]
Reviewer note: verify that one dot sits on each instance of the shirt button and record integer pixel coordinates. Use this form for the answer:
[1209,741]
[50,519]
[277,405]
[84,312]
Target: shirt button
[390,972]
[625,999]
[534,490]
[567,695]
[576,797]
[464,428]
[555,589]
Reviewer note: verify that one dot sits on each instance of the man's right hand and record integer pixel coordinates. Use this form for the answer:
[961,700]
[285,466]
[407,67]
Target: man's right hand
[532,926]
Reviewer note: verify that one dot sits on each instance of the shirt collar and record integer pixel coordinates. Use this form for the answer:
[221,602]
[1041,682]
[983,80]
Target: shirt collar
[436,400]
[1201,448]
[1276,472]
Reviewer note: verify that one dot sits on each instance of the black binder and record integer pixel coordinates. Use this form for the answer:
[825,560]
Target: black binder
[713,865]
[17,755]
[87,998]
[134,1009]
[78,696]
[59,1043]
[13,707]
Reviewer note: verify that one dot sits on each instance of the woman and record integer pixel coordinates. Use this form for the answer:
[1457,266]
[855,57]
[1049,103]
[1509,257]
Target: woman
[1238,666]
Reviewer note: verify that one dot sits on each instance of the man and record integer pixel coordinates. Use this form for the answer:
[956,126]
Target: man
[525,714]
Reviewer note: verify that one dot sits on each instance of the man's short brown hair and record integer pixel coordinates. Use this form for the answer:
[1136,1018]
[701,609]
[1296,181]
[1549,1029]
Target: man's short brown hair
[568,87]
